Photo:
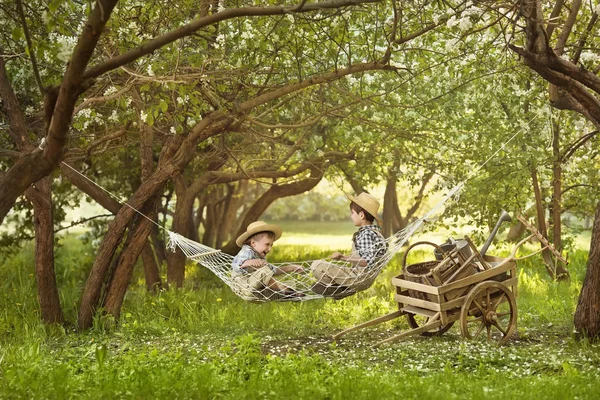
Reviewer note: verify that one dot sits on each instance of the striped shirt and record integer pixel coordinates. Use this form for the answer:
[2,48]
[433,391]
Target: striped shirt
[370,243]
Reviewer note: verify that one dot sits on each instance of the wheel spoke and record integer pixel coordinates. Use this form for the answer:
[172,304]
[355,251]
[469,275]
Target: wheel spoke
[487,295]
[481,308]
[479,330]
[475,319]
[498,301]
[504,314]
[497,325]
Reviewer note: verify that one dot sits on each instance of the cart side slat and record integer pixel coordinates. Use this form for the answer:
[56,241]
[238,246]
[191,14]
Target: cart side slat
[478,277]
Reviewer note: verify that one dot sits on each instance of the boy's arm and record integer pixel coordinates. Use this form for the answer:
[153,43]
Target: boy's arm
[253,264]
[286,269]
[354,259]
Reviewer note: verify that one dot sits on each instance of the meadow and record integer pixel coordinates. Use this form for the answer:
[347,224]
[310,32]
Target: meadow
[204,342]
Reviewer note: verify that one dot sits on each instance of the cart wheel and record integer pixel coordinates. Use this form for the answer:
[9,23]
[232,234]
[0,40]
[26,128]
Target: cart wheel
[489,311]
[417,321]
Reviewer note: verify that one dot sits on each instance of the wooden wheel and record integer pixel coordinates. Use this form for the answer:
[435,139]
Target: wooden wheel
[416,321]
[489,311]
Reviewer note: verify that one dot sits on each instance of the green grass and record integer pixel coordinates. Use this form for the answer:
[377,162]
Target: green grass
[204,342]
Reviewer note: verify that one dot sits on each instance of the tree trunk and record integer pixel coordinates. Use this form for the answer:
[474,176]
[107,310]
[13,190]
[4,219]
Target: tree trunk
[115,234]
[40,196]
[392,217]
[137,238]
[182,224]
[541,222]
[561,272]
[225,212]
[151,272]
[587,314]
[44,251]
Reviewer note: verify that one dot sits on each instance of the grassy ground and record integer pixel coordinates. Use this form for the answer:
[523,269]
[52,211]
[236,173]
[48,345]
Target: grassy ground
[203,342]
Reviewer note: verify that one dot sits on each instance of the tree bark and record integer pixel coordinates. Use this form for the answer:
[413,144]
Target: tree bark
[40,196]
[44,251]
[561,272]
[136,240]
[182,224]
[541,222]
[587,314]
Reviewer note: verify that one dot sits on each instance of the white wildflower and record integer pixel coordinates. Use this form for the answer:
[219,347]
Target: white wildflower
[173,130]
[191,122]
[149,70]
[113,117]
[143,116]
[290,17]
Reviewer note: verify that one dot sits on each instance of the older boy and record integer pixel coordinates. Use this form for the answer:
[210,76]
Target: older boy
[368,245]
[251,271]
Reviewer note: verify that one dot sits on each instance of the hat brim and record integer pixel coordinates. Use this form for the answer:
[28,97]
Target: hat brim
[263,228]
[366,208]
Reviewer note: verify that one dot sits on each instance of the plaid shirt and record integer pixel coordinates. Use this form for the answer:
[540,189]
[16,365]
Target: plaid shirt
[370,243]
[246,253]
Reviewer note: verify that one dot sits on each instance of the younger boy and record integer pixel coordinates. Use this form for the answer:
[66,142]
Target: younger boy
[368,245]
[250,268]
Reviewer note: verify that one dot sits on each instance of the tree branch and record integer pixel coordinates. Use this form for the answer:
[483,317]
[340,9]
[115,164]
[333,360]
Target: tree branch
[36,72]
[211,19]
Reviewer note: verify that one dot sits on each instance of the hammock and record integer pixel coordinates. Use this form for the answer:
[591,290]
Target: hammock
[305,285]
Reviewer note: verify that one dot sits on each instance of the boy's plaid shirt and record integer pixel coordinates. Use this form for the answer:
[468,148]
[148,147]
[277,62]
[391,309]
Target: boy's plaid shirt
[370,243]
[246,253]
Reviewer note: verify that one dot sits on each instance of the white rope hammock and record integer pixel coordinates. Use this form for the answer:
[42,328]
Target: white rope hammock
[305,285]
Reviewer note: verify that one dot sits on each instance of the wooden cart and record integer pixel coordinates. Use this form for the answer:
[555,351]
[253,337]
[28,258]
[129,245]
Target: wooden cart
[479,291]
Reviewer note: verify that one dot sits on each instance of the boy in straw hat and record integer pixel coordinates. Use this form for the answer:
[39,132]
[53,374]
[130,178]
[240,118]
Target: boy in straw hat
[251,271]
[368,245]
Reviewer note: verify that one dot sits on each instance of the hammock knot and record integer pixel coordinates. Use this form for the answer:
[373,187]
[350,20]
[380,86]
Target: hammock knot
[172,244]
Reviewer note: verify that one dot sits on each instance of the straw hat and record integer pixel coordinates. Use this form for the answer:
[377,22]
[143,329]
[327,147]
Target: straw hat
[256,227]
[368,203]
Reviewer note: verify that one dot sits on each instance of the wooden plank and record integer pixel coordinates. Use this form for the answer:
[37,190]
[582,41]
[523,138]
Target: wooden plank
[479,277]
[433,323]
[411,301]
[419,311]
[384,318]
[415,286]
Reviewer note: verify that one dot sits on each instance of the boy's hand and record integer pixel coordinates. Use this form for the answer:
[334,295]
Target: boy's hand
[337,255]
[298,269]
[255,263]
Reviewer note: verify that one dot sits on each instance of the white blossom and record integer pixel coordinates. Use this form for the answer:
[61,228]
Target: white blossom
[110,91]
[143,116]
[173,130]
[465,24]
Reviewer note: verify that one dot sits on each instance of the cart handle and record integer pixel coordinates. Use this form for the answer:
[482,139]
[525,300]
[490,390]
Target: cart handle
[418,244]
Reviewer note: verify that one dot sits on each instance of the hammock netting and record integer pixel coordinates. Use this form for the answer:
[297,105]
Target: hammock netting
[346,281]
